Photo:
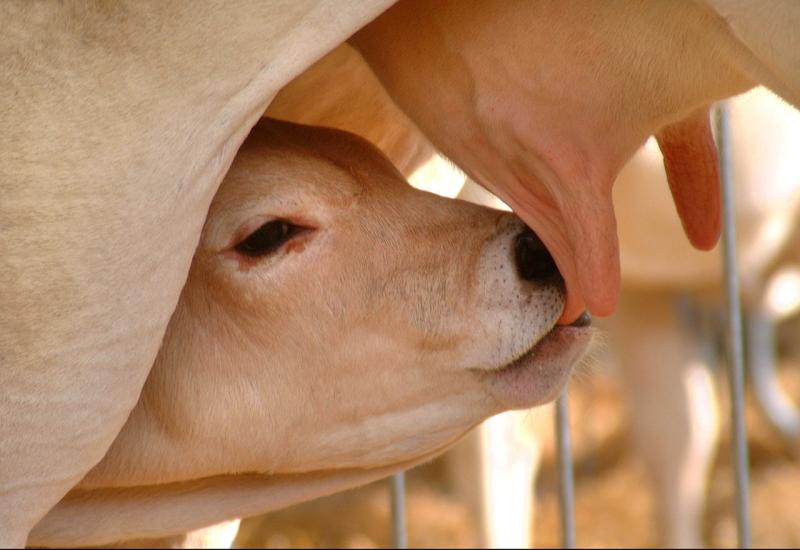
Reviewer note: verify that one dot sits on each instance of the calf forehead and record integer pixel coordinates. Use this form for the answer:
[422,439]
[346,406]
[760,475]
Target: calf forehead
[349,152]
[283,174]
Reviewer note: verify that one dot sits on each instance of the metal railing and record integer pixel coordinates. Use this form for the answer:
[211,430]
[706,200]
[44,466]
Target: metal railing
[398,496]
[733,330]
[566,486]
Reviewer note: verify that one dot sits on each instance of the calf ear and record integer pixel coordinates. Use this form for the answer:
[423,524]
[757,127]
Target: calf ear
[690,160]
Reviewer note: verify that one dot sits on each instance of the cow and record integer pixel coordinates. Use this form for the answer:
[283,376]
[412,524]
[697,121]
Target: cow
[120,120]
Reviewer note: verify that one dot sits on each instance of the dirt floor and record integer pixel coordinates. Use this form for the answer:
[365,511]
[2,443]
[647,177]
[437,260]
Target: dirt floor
[614,501]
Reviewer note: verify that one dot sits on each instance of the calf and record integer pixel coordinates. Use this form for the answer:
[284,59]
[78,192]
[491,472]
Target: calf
[336,325]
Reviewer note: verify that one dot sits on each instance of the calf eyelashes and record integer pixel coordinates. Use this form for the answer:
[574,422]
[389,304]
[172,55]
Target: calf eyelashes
[268,238]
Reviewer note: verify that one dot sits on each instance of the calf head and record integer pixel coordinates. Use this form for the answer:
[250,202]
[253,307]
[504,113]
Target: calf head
[334,317]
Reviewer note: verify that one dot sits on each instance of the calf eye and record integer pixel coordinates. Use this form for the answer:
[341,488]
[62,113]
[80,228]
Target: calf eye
[267,238]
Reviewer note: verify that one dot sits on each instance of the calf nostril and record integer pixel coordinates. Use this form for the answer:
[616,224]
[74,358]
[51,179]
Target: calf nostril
[534,262]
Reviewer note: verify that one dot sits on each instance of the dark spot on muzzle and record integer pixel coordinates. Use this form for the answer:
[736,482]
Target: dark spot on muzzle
[534,262]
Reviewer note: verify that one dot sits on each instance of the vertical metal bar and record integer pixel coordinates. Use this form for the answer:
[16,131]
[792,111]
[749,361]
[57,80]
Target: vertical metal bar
[566,487]
[398,483]
[733,333]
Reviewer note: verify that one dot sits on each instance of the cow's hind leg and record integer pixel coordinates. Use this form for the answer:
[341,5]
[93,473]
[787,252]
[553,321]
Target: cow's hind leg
[672,397]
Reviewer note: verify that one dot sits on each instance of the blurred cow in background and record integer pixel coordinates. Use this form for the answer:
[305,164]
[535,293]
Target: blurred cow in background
[665,349]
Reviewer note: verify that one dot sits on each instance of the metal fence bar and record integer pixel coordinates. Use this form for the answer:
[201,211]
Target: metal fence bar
[733,332]
[566,486]
[398,484]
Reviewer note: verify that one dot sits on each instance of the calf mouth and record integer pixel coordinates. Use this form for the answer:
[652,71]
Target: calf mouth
[540,373]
